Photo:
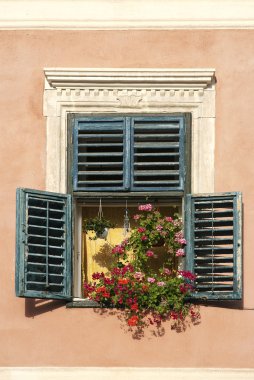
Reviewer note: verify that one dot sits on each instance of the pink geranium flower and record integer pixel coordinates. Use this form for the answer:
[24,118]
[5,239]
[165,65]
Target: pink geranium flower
[147,207]
[138,275]
[151,280]
[179,238]
[118,249]
[180,252]
[125,242]
[149,253]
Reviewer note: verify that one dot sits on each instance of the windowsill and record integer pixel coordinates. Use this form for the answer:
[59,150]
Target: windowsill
[82,303]
[86,304]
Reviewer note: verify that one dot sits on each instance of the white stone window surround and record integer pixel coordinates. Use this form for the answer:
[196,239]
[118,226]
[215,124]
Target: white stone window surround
[129,91]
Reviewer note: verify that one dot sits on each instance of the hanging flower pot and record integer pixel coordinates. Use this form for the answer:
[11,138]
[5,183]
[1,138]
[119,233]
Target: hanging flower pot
[99,225]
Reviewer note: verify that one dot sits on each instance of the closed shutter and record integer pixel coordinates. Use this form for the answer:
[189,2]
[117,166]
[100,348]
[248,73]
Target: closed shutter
[213,233]
[99,154]
[158,159]
[44,245]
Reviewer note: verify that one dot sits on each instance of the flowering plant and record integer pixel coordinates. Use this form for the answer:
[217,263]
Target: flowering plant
[148,293]
[99,225]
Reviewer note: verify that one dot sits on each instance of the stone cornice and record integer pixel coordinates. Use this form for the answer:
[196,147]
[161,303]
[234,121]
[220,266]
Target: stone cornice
[129,78]
[125,14]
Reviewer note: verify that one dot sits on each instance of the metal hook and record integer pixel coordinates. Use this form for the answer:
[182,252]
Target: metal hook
[100,212]
[126,223]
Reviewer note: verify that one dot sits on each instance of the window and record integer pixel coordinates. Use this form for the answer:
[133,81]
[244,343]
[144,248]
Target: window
[134,156]
[127,158]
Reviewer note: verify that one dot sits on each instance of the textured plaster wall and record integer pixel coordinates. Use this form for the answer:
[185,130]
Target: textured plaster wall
[45,333]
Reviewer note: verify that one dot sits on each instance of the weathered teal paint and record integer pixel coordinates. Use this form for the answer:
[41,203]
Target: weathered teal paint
[149,155]
[43,245]
[99,154]
[157,153]
[213,233]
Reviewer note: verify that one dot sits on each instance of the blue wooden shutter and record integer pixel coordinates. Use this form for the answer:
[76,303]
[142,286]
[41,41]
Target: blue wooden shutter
[100,154]
[44,245]
[213,252]
[157,154]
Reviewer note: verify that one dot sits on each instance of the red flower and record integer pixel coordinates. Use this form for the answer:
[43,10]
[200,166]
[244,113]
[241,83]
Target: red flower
[183,289]
[133,320]
[123,281]
[118,249]
[149,253]
[144,238]
[134,307]
[101,289]
[174,315]
[108,281]
[145,288]
[186,274]
[97,275]
[141,229]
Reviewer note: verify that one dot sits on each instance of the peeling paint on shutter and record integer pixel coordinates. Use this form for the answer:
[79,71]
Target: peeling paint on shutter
[213,232]
[44,244]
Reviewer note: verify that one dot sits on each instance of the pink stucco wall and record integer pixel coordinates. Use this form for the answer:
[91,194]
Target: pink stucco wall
[45,333]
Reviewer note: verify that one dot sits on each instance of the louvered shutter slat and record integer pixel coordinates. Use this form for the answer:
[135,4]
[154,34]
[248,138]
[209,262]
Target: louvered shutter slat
[157,153]
[99,156]
[43,259]
[164,183]
[213,231]
[104,163]
[159,145]
[93,172]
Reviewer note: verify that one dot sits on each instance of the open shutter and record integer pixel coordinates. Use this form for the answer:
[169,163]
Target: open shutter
[44,245]
[213,252]
[100,154]
[158,159]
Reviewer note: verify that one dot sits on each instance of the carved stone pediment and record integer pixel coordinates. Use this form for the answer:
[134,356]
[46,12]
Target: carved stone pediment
[123,91]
